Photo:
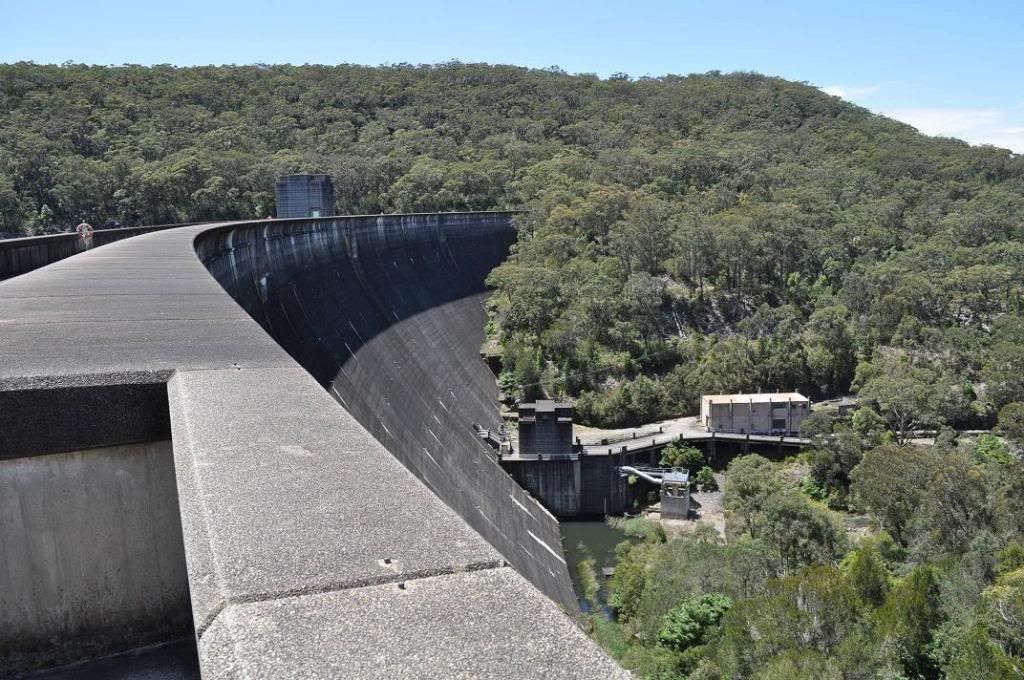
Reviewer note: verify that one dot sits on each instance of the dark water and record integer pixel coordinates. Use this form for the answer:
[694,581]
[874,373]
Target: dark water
[173,661]
[589,538]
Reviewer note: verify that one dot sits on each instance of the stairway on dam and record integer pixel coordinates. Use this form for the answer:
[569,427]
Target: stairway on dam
[338,516]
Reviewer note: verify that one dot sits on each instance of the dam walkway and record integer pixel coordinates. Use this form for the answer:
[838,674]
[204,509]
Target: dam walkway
[187,469]
[681,430]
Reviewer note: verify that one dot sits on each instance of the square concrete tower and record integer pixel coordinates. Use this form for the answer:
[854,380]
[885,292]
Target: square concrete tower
[545,428]
[305,196]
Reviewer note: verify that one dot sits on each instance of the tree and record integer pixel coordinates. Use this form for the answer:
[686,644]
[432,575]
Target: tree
[908,618]
[1008,501]
[1011,422]
[954,506]
[799,531]
[991,449]
[522,369]
[627,583]
[817,426]
[830,349]
[868,424]
[812,612]
[643,236]
[750,482]
[706,479]
[639,528]
[684,456]
[727,366]
[1004,609]
[1010,558]
[797,663]
[889,483]
[586,573]
[531,294]
[697,563]
[906,396]
[832,462]
[970,653]
[1003,373]
[689,622]
[868,575]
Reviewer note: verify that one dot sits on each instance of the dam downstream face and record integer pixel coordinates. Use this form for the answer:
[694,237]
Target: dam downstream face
[387,314]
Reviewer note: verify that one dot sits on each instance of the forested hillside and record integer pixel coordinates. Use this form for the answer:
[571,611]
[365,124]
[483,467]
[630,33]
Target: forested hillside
[787,595]
[711,233]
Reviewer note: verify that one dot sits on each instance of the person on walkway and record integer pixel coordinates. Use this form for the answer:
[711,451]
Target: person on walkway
[84,231]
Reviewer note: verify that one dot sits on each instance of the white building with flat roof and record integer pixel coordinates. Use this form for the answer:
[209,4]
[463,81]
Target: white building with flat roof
[780,413]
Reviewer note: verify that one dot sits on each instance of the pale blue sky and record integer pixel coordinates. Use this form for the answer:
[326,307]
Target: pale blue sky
[954,68]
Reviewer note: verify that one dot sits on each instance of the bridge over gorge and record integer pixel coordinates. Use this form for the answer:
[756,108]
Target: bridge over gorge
[185,420]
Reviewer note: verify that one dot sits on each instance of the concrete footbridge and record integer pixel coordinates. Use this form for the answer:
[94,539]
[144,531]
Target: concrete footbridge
[185,419]
[680,430]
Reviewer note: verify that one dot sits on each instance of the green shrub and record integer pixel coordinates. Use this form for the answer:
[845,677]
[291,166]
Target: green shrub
[706,479]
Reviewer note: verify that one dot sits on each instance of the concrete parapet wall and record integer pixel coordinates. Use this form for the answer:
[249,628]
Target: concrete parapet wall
[22,255]
[92,555]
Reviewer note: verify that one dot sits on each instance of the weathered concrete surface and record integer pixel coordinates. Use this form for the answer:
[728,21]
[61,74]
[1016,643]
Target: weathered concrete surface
[91,555]
[22,255]
[486,607]
[86,416]
[350,527]
[275,478]
[171,661]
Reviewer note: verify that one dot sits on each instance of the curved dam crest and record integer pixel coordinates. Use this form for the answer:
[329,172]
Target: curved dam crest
[337,518]
[386,312]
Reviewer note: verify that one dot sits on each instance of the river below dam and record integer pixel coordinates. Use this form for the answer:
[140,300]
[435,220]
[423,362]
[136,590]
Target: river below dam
[590,538]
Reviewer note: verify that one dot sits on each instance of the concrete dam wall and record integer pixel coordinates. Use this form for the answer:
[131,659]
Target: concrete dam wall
[309,550]
[387,314]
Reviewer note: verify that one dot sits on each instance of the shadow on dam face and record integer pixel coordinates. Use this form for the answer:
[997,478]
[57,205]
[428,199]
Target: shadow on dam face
[386,312]
[92,560]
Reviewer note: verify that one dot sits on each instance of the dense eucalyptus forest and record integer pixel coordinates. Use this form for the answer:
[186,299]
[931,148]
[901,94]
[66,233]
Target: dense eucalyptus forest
[710,233]
[684,235]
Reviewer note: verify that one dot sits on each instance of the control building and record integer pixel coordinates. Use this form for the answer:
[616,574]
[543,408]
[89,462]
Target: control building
[767,414]
[305,196]
[545,428]
[675,494]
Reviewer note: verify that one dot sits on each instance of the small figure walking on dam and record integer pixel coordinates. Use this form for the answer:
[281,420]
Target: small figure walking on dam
[84,231]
